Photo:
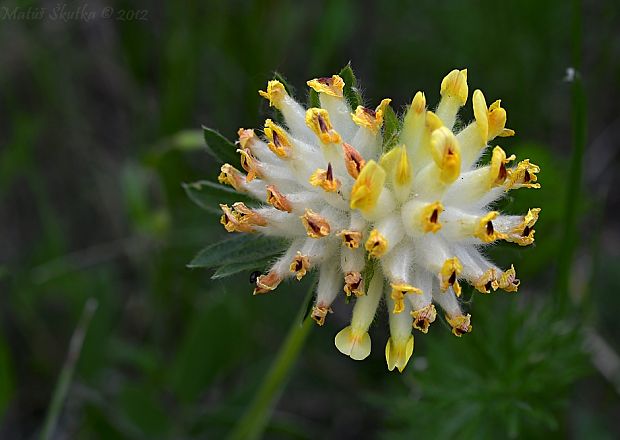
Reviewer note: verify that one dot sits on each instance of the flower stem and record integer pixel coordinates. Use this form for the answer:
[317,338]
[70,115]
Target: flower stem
[68,368]
[256,417]
[573,194]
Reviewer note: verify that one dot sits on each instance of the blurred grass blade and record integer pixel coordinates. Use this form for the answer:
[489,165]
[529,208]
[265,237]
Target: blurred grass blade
[7,370]
[208,195]
[187,140]
[573,194]
[66,374]
[240,249]
[254,421]
[221,148]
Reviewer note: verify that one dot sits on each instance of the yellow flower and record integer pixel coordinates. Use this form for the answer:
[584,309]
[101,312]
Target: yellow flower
[407,224]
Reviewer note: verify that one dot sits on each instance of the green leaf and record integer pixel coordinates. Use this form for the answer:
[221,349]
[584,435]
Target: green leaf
[530,363]
[240,249]
[369,271]
[351,92]
[221,148]
[313,98]
[391,126]
[208,195]
[233,268]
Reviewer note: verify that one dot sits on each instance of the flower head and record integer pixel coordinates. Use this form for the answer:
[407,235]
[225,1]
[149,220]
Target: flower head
[408,224]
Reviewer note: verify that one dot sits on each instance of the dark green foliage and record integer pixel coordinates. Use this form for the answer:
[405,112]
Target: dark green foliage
[243,266]
[243,248]
[507,379]
[208,195]
[350,91]
[391,128]
[313,98]
[220,148]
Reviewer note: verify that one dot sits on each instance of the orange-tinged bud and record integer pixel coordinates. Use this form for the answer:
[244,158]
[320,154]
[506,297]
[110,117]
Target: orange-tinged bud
[353,160]
[316,226]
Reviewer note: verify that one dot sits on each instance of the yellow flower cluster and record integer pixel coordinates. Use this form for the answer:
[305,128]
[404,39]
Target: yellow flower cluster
[419,209]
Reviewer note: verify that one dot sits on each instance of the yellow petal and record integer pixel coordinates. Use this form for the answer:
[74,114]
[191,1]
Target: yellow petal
[350,238]
[371,119]
[396,164]
[377,244]
[446,154]
[418,105]
[330,86]
[229,175]
[487,281]
[523,176]
[367,187]
[300,265]
[399,290]
[430,217]
[481,114]
[485,230]
[424,317]
[508,280]
[433,122]
[275,93]
[389,159]
[240,218]
[355,344]
[454,85]
[317,119]
[460,324]
[398,352]
[497,121]
[449,274]
[231,221]
[249,164]
[523,233]
[491,121]
[325,179]
[279,141]
[403,173]
[497,170]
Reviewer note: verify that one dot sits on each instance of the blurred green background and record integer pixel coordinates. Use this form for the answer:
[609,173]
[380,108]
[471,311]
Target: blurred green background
[100,126]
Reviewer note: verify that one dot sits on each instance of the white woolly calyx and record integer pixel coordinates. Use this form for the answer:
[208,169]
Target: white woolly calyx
[420,209]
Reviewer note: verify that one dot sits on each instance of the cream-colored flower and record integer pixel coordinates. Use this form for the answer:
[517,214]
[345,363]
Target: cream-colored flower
[418,214]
